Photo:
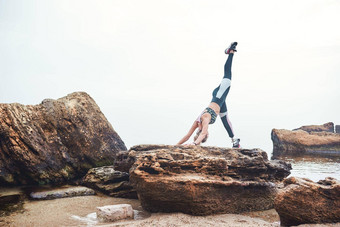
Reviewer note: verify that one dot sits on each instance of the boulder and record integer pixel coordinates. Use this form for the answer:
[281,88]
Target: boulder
[64,192]
[328,127]
[109,181]
[303,201]
[300,142]
[337,129]
[55,141]
[114,212]
[204,180]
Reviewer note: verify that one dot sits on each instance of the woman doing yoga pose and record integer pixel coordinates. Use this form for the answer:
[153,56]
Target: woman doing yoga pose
[216,107]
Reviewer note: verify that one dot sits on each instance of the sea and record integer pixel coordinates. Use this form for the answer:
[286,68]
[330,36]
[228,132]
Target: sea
[314,167]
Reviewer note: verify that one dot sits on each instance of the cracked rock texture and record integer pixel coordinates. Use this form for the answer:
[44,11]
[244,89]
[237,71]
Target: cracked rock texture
[303,201]
[109,181]
[204,180]
[55,141]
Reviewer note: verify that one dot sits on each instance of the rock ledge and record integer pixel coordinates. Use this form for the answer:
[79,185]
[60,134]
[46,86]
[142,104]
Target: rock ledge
[204,180]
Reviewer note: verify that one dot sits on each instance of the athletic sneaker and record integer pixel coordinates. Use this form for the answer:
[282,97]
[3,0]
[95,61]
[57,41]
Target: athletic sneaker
[236,143]
[231,47]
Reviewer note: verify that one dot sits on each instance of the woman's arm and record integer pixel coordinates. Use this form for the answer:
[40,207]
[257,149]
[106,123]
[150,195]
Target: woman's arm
[204,132]
[187,136]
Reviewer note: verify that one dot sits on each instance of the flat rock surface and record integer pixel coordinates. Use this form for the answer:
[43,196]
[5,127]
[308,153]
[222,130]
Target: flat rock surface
[303,201]
[204,180]
[55,141]
[69,191]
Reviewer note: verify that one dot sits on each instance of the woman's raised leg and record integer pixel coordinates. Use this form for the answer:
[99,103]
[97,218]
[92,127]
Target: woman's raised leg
[220,93]
[227,66]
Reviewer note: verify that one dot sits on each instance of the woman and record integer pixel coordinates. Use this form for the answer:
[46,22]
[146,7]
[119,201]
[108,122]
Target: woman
[216,107]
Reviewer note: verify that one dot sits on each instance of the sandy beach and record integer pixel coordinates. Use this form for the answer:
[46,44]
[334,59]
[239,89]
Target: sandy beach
[79,211]
[73,212]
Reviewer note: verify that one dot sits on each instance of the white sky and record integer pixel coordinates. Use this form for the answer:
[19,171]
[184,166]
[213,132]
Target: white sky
[151,65]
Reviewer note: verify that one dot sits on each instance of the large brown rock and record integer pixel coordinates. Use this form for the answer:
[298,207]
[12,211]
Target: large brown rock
[303,201]
[55,141]
[327,127]
[300,142]
[204,180]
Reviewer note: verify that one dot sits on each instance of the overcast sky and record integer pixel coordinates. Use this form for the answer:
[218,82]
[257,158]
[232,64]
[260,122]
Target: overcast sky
[151,65]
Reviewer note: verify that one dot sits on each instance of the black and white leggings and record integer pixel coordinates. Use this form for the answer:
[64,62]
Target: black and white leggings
[220,94]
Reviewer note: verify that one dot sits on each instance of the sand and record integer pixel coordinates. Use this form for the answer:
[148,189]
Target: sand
[59,212]
[75,212]
[179,220]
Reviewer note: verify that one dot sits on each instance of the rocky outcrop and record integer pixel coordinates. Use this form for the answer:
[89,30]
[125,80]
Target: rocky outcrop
[204,180]
[302,142]
[328,127]
[303,201]
[337,129]
[55,141]
[109,181]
